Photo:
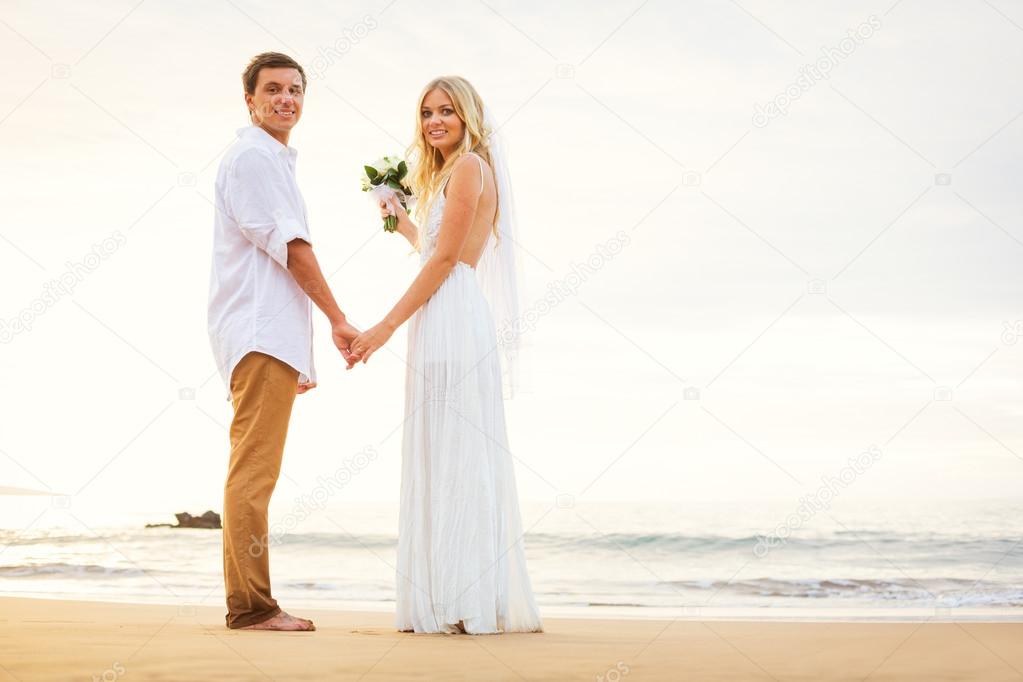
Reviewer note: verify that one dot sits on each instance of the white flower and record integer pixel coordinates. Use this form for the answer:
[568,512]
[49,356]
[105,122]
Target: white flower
[385,165]
[382,165]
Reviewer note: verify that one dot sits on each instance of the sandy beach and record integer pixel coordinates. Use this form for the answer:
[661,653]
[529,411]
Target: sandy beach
[65,640]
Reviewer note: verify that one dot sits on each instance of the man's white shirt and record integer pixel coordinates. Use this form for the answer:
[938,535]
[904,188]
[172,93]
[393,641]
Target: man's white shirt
[255,304]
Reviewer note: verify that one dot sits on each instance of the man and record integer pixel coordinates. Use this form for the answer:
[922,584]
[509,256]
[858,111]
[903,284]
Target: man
[264,279]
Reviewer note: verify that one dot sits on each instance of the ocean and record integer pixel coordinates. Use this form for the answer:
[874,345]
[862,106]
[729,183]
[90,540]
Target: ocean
[658,560]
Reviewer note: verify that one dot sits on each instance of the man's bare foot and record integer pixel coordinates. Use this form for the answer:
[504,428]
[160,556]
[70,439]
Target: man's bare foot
[283,622]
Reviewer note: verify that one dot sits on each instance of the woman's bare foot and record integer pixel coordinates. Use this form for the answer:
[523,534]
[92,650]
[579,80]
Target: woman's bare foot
[283,622]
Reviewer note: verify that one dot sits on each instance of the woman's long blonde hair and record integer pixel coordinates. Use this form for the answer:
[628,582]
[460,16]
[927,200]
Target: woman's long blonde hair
[428,170]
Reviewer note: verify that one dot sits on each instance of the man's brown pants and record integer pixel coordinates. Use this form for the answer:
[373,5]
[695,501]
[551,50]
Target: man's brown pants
[262,391]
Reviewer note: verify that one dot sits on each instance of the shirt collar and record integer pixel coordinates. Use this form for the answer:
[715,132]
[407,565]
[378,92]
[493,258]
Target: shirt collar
[265,139]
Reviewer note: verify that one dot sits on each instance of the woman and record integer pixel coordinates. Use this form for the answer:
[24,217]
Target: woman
[461,564]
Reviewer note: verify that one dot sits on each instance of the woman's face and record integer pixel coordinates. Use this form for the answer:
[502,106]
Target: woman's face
[441,126]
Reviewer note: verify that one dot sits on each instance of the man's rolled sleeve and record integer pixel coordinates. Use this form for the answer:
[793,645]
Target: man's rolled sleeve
[259,199]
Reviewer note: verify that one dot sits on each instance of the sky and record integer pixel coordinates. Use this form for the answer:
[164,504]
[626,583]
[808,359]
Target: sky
[816,242]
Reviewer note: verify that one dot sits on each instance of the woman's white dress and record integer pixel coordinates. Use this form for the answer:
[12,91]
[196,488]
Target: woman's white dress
[460,549]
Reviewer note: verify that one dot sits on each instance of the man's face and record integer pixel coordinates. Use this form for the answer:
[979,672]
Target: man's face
[277,102]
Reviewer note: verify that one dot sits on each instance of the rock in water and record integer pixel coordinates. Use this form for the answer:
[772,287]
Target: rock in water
[210,519]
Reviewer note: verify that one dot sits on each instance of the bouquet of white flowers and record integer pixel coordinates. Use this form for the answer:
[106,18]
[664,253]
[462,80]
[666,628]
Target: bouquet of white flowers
[384,179]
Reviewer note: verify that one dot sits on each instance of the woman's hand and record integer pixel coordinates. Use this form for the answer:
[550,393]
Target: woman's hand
[405,226]
[393,207]
[367,343]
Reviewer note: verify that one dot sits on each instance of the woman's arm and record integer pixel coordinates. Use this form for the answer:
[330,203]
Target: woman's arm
[459,212]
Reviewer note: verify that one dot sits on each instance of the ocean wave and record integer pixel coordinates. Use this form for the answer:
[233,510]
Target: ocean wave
[15,538]
[335,540]
[939,546]
[654,541]
[948,592]
[61,570]
[931,550]
[310,585]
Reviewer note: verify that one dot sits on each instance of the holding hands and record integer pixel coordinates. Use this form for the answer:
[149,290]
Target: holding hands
[369,341]
[342,334]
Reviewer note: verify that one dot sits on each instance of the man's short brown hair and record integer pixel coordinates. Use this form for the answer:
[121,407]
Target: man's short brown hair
[268,60]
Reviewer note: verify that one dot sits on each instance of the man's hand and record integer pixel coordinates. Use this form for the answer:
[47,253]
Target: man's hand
[343,334]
